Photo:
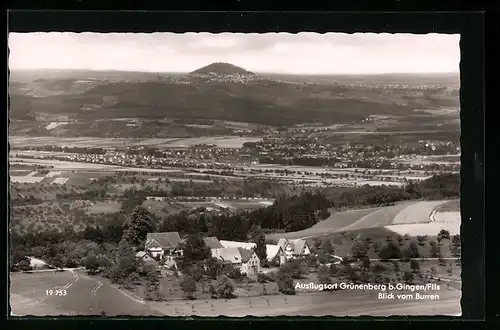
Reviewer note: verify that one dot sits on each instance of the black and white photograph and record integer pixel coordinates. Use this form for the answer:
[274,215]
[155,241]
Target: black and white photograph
[234,174]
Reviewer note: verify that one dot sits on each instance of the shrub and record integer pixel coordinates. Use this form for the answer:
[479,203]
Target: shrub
[390,251]
[408,277]
[188,285]
[224,289]
[285,284]
[359,249]
[261,278]
[334,270]
[414,265]
[444,234]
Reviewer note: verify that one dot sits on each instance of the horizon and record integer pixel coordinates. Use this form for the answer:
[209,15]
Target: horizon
[274,53]
[255,72]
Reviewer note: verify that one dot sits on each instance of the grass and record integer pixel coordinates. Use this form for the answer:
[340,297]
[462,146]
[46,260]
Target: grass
[343,242]
[335,222]
[416,213]
[105,207]
[162,209]
[450,206]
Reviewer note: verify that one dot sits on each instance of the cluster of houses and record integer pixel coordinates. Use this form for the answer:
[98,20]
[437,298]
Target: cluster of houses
[167,247]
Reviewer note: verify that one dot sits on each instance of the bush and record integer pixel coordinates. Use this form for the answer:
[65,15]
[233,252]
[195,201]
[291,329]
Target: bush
[390,251]
[285,284]
[224,289]
[408,277]
[234,273]
[334,270]
[296,268]
[359,249]
[444,234]
[414,265]
[24,265]
[261,278]
[188,285]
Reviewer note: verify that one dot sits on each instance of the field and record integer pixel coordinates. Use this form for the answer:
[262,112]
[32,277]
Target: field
[105,207]
[221,141]
[417,213]
[162,209]
[332,224]
[451,206]
[412,218]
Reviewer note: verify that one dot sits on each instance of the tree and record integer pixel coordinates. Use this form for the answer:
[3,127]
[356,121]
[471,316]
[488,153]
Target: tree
[396,266]
[327,246]
[359,249]
[212,268]
[188,285]
[333,270]
[223,289]
[285,284]
[91,264]
[260,249]
[456,246]
[324,275]
[152,290]
[421,239]
[435,250]
[24,265]
[444,234]
[139,224]
[400,240]
[366,263]
[194,249]
[414,265]
[376,247]
[411,251]
[408,277]
[390,251]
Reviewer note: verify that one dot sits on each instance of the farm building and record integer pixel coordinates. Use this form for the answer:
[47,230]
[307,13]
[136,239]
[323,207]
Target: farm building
[144,256]
[272,250]
[275,252]
[294,247]
[212,242]
[233,244]
[164,244]
[244,259]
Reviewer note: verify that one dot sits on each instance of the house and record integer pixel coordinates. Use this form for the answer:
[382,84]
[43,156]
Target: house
[244,259]
[275,252]
[164,244]
[250,262]
[37,264]
[144,256]
[147,259]
[294,247]
[272,251]
[233,244]
[212,242]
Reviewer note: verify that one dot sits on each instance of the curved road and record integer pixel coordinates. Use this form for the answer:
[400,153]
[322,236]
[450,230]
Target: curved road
[84,296]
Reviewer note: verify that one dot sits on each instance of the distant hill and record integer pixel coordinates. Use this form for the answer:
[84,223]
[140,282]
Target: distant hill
[222,68]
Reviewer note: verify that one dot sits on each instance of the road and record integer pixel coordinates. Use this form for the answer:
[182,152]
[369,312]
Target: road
[85,295]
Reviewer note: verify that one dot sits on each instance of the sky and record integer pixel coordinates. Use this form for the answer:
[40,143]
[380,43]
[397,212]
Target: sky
[302,53]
